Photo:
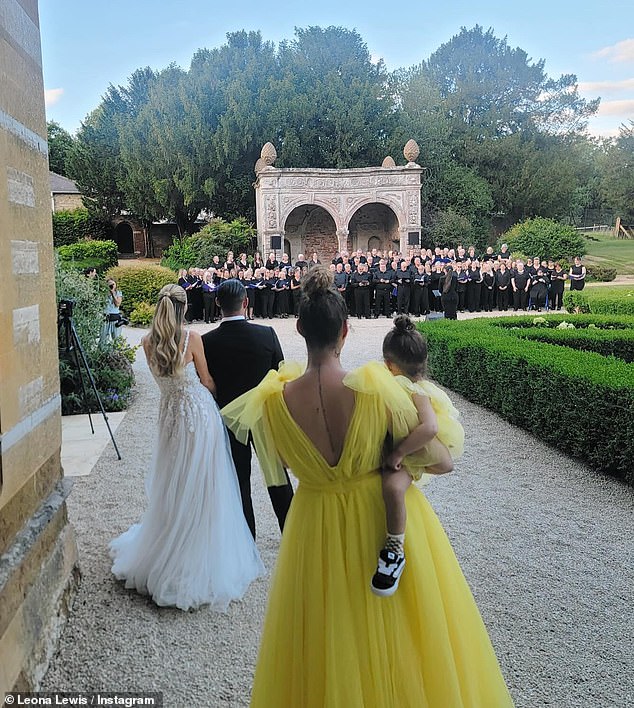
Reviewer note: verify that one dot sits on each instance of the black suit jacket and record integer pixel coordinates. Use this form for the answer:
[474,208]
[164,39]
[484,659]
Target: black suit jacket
[239,355]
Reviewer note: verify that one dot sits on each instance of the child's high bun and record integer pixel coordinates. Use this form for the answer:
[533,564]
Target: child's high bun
[402,323]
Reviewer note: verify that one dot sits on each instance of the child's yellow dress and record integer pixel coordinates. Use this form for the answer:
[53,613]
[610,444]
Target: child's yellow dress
[328,642]
[450,431]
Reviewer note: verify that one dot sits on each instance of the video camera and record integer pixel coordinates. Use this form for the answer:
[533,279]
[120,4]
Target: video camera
[65,308]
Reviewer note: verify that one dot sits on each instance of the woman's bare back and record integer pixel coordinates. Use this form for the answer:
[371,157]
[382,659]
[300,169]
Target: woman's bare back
[322,406]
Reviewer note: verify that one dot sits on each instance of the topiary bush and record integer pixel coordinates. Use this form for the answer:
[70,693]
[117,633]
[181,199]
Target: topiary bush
[600,274]
[97,254]
[142,315]
[545,238]
[140,284]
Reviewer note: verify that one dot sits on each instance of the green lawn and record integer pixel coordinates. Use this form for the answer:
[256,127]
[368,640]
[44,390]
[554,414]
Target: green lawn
[611,252]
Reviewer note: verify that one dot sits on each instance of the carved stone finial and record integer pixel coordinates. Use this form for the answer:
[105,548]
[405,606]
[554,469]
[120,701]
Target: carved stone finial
[268,154]
[389,162]
[411,151]
[259,165]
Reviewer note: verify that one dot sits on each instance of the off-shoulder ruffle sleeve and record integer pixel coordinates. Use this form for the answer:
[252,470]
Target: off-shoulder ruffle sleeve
[375,378]
[246,415]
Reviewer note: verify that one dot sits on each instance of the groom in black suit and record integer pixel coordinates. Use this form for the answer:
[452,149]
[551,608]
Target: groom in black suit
[239,355]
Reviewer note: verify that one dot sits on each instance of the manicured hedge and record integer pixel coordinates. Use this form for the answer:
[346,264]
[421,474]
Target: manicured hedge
[619,343]
[601,300]
[97,254]
[140,284]
[578,401]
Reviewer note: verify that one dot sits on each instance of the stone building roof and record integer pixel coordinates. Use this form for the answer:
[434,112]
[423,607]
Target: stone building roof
[62,185]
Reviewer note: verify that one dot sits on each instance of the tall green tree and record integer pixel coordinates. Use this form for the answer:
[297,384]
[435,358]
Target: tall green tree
[617,182]
[334,108]
[60,144]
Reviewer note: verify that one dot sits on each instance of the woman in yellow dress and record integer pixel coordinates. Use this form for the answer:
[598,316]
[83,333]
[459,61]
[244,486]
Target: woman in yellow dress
[328,642]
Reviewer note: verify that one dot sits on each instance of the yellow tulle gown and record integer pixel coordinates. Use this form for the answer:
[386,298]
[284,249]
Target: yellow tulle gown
[328,642]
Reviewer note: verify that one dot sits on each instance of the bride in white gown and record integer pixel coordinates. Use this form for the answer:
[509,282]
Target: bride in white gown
[192,546]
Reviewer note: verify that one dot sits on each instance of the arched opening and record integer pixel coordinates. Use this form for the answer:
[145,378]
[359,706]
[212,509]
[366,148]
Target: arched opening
[124,237]
[373,226]
[287,249]
[309,229]
[375,242]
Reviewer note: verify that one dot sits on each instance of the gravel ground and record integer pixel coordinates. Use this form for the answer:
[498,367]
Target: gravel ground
[545,543]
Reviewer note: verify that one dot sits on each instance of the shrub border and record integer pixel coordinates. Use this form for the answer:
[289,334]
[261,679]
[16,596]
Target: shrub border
[578,401]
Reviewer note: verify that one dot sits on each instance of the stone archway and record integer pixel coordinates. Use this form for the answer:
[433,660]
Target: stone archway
[285,198]
[124,237]
[308,229]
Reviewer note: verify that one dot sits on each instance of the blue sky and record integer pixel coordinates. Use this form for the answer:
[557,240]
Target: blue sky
[87,45]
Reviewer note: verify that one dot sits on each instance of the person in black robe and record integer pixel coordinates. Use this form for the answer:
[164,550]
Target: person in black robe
[361,279]
[538,290]
[503,284]
[577,275]
[488,283]
[403,289]
[282,293]
[462,276]
[556,293]
[449,294]
[268,294]
[383,284]
[474,288]
[420,292]
[520,282]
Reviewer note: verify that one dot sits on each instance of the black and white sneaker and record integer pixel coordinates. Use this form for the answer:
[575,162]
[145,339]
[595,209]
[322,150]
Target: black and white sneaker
[388,573]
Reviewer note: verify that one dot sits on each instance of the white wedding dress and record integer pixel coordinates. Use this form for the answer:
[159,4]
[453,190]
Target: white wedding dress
[192,546]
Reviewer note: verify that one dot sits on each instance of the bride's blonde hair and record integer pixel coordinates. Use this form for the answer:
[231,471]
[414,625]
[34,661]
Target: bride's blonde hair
[166,331]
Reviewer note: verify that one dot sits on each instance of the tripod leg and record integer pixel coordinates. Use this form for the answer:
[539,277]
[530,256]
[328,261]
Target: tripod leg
[77,344]
[83,387]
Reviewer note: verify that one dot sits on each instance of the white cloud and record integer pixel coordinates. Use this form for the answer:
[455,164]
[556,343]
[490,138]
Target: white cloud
[619,52]
[603,87]
[52,96]
[624,109]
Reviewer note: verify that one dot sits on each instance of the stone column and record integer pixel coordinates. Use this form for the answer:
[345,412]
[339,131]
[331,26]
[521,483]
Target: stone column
[38,554]
[342,239]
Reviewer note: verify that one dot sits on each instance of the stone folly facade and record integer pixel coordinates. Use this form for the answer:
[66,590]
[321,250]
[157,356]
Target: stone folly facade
[324,210]
[38,553]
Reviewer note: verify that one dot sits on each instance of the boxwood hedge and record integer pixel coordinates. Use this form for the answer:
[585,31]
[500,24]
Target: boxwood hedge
[579,401]
[601,300]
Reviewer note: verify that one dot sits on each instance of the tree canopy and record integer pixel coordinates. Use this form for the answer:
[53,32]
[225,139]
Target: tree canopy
[497,134]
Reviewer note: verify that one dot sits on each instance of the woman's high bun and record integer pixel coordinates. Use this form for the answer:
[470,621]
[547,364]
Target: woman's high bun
[322,310]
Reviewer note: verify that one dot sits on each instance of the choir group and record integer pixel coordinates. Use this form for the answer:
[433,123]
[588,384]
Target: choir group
[381,283]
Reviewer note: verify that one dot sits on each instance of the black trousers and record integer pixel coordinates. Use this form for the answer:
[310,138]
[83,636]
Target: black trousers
[281,497]
[420,300]
[503,299]
[556,298]
[520,300]
[209,306]
[268,302]
[382,301]
[402,299]
[362,301]
[487,299]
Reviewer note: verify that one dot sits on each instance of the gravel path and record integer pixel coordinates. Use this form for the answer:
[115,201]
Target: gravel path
[545,543]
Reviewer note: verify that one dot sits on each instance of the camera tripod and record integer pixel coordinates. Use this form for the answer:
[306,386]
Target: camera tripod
[69,341]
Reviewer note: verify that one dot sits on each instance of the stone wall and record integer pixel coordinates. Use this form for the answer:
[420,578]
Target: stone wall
[376,222]
[38,561]
[309,229]
[67,202]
